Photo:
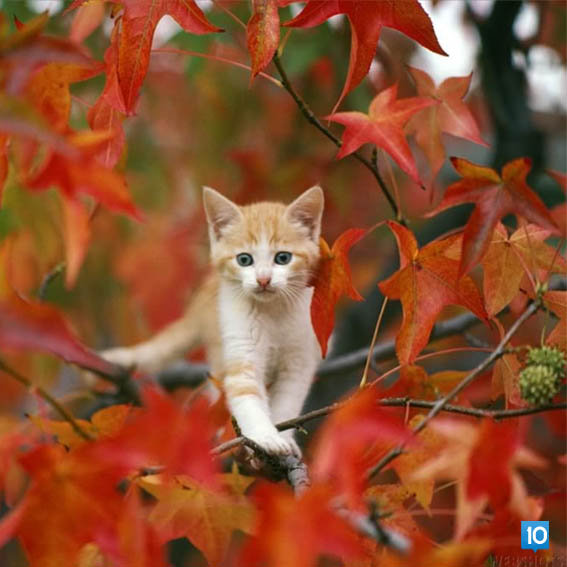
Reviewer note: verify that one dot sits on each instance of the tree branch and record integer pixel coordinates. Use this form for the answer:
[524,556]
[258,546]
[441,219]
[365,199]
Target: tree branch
[312,119]
[442,402]
[497,414]
[48,398]
[189,374]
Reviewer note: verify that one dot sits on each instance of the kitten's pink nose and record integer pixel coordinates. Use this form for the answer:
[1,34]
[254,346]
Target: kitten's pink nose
[264,282]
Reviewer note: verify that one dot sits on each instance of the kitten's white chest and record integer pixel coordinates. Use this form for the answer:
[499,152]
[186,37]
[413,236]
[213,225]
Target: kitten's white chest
[266,333]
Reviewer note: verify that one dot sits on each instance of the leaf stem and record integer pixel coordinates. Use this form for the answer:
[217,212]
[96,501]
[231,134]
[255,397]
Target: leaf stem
[48,398]
[312,119]
[217,58]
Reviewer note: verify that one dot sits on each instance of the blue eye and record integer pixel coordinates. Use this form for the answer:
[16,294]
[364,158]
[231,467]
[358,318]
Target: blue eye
[244,259]
[282,258]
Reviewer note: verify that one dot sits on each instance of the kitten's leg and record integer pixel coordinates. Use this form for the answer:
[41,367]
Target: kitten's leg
[154,354]
[288,393]
[248,403]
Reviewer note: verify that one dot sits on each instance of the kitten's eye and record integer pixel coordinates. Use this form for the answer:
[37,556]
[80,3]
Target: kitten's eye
[282,258]
[244,259]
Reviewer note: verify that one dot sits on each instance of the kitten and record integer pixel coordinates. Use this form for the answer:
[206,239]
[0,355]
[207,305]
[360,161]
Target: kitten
[252,313]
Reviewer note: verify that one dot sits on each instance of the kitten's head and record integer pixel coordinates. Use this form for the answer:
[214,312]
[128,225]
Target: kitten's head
[268,250]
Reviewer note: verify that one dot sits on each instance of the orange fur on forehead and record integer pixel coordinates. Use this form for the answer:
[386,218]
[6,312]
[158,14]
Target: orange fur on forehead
[268,221]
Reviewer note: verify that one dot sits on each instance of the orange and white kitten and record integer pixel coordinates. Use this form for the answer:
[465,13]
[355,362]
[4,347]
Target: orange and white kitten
[252,314]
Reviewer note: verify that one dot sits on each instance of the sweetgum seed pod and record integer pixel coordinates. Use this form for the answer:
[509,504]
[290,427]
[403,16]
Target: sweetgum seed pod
[538,384]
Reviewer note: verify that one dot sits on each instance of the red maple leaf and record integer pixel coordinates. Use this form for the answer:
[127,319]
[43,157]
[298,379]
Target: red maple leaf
[427,280]
[451,116]
[366,18]
[495,196]
[141,442]
[383,126]
[3,163]
[137,26]
[333,279]
[88,506]
[289,529]
[342,453]
[82,173]
[38,326]
[108,112]
[263,33]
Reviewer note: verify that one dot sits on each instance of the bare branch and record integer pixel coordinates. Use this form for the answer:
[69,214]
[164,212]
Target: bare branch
[312,119]
[45,395]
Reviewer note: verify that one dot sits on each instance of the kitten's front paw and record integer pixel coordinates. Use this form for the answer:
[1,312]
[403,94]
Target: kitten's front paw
[122,356]
[274,443]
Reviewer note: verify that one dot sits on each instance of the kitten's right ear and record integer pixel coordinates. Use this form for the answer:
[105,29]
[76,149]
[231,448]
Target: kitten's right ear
[220,211]
[307,210]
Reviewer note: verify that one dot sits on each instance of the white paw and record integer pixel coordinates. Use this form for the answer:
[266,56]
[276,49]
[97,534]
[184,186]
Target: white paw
[122,356]
[275,443]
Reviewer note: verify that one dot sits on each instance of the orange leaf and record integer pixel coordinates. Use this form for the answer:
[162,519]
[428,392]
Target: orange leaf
[495,196]
[48,90]
[208,519]
[333,279]
[557,302]
[483,460]
[263,33]
[77,237]
[38,326]
[104,423]
[366,20]
[451,116]
[413,458]
[507,259]
[383,126]
[87,18]
[427,281]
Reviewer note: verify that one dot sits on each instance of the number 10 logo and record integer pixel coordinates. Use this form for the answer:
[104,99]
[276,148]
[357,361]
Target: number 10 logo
[535,535]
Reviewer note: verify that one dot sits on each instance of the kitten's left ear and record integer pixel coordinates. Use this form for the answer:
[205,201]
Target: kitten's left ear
[307,209]
[220,212]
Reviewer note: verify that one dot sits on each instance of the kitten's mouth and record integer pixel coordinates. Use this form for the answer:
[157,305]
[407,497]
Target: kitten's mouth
[264,290]
[264,293]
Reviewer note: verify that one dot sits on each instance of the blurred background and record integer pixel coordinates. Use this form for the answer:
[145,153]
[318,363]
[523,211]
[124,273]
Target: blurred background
[201,121]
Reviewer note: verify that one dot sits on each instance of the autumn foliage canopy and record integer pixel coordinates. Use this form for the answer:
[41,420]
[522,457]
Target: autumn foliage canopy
[454,437]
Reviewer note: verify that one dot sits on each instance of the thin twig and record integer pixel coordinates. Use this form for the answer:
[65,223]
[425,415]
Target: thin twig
[442,402]
[312,119]
[373,343]
[48,398]
[497,414]
[217,58]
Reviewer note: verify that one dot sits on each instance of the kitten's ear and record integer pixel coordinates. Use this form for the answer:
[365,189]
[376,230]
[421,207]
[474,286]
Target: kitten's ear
[307,209]
[220,211]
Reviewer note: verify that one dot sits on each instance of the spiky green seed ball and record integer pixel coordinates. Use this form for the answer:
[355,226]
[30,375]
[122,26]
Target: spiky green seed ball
[538,384]
[548,356]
